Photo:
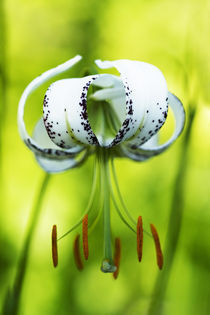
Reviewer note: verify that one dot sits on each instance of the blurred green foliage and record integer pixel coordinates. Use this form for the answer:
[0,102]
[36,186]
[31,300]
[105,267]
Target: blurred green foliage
[173,35]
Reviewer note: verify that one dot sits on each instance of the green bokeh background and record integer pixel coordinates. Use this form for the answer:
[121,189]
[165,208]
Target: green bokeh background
[174,36]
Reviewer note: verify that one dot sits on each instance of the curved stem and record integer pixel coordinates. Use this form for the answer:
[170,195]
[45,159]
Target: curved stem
[12,302]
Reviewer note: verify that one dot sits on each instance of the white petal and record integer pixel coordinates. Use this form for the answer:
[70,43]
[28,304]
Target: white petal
[65,109]
[40,136]
[152,142]
[133,154]
[66,112]
[52,164]
[33,145]
[146,99]
[149,150]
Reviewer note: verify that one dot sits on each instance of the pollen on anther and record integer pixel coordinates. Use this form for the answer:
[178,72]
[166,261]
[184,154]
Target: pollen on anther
[139,233]
[85,236]
[117,256]
[54,246]
[159,253]
[77,256]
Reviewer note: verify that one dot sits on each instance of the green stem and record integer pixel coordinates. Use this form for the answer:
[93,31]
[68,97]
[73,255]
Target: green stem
[12,302]
[175,222]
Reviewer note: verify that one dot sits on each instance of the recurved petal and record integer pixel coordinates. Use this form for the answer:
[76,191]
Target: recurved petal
[65,112]
[30,142]
[150,149]
[52,164]
[146,99]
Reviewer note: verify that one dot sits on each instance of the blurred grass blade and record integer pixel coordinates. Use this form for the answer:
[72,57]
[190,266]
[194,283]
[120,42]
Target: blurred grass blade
[12,301]
[3,83]
[175,222]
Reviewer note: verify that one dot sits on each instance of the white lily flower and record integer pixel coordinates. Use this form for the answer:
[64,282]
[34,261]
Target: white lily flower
[104,114]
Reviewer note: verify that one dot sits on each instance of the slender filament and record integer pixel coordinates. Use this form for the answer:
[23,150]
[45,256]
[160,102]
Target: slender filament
[85,236]
[133,221]
[90,203]
[120,195]
[120,214]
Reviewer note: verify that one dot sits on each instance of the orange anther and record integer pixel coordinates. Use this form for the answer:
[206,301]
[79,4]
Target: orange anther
[139,233]
[54,246]
[157,246]
[77,256]
[117,256]
[85,236]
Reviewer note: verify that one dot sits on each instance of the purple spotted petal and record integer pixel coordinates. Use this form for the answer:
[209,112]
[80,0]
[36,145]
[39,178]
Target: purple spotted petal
[65,112]
[150,148]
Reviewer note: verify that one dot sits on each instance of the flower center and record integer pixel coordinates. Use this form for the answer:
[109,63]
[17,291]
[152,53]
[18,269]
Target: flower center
[103,119]
[106,108]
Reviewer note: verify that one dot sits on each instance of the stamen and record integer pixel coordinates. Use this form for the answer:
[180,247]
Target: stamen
[77,256]
[90,202]
[117,256]
[139,237]
[85,236]
[157,246]
[54,246]
[119,212]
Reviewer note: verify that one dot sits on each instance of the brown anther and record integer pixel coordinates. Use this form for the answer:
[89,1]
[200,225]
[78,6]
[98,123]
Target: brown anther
[77,256]
[157,246]
[85,236]
[117,256]
[54,246]
[139,233]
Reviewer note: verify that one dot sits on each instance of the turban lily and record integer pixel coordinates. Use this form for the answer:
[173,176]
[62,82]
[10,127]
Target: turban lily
[109,116]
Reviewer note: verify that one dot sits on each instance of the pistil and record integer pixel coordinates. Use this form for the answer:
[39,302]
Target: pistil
[107,263]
